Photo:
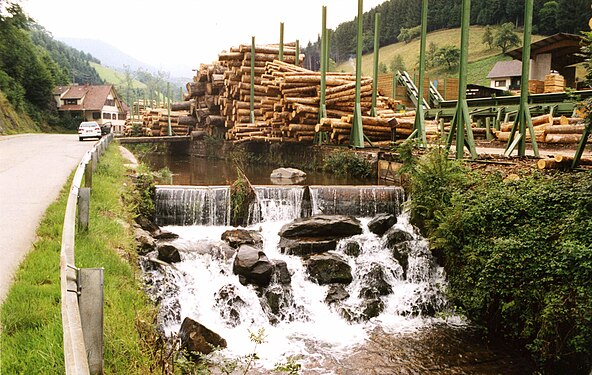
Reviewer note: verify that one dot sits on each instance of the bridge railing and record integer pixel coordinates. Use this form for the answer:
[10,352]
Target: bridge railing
[83,342]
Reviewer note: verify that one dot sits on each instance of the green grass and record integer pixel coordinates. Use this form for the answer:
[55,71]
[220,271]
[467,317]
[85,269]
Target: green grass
[114,77]
[481,57]
[31,339]
[12,122]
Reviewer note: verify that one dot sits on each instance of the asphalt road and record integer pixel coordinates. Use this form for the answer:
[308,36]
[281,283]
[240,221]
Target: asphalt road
[33,169]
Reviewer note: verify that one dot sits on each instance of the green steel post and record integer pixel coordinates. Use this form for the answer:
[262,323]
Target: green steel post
[523,119]
[419,115]
[461,121]
[395,79]
[297,62]
[376,57]
[322,105]
[252,99]
[582,145]
[357,132]
[281,54]
[488,134]
[180,94]
[170,131]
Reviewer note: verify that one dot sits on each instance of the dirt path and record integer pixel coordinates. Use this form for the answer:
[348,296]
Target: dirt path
[33,169]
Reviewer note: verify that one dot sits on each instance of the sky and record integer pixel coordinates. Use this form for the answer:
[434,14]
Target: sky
[178,35]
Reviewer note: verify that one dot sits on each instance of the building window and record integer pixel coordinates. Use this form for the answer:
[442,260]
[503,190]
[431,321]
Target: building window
[70,101]
[110,102]
[500,83]
[106,116]
[96,115]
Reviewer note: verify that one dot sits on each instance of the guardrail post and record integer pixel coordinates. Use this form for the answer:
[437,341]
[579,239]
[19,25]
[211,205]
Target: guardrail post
[94,160]
[88,175]
[83,208]
[90,302]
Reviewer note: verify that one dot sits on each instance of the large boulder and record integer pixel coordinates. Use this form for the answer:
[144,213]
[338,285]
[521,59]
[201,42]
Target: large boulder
[168,253]
[199,340]
[281,273]
[401,252]
[352,248]
[252,266]
[306,246]
[381,223]
[395,236]
[325,226]
[375,283]
[238,237]
[145,242]
[336,293]
[287,174]
[147,224]
[328,268]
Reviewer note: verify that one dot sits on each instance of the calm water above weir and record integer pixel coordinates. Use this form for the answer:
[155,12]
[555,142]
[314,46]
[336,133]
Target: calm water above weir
[414,333]
[203,172]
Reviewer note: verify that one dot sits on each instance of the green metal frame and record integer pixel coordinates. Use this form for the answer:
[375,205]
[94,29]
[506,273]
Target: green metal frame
[376,58]
[523,118]
[252,94]
[356,138]
[461,121]
[322,105]
[170,128]
[281,53]
[419,124]
[297,61]
[582,145]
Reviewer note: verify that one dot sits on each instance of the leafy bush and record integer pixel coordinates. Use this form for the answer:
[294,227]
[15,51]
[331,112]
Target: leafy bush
[407,35]
[518,254]
[348,163]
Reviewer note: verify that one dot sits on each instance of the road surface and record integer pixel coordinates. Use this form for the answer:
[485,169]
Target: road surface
[33,169]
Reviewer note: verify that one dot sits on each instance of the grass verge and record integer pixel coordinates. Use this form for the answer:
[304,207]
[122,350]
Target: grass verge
[31,341]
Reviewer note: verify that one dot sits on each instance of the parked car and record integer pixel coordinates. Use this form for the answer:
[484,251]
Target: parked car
[89,129]
[106,128]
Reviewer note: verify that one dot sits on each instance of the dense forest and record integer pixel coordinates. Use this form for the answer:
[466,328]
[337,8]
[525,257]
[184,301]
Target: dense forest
[550,17]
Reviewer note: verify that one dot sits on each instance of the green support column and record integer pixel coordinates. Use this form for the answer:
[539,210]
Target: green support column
[461,121]
[419,113]
[324,57]
[180,94]
[523,119]
[376,58]
[395,79]
[297,62]
[170,130]
[252,98]
[281,54]
[356,138]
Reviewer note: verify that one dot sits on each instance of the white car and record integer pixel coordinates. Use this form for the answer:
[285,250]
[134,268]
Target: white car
[89,129]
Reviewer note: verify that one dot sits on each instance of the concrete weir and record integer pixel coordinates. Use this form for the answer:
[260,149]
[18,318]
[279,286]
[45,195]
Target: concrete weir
[205,205]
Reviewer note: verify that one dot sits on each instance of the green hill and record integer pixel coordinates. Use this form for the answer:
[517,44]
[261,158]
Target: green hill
[114,77]
[481,57]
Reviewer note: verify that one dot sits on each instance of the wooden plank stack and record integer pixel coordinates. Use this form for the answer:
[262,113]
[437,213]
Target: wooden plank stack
[549,129]
[554,83]
[536,87]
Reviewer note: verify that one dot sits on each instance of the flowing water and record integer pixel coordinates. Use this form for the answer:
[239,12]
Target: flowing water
[415,333]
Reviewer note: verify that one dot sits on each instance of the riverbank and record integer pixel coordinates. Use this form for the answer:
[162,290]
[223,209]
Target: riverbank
[31,322]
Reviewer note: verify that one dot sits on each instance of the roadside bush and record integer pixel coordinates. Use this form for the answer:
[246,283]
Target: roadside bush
[348,163]
[518,255]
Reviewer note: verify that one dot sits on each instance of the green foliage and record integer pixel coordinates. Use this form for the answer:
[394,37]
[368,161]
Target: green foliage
[448,56]
[547,24]
[506,38]
[518,254]
[488,37]
[407,35]
[431,55]
[348,163]
[142,198]
[241,196]
[382,69]
[397,64]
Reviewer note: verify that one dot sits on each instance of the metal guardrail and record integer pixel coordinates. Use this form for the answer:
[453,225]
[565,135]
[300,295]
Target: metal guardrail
[78,358]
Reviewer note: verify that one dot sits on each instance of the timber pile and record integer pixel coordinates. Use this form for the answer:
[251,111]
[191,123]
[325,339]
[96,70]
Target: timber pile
[181,123]
[549,129]
[204,94]
[554,83]
[561,162]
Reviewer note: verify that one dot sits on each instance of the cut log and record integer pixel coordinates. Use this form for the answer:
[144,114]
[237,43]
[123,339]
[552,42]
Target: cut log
[563,138]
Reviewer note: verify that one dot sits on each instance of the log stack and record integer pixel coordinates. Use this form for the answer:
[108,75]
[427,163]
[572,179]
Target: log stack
[554,83]
[549,129]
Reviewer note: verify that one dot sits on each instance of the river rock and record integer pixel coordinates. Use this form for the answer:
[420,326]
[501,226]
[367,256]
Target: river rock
[287,174]
[238,237]
[162,234]
[395,236]
[381,223]
[168,253]
[328,268]
[324,226]
[281,273]
[401,253]
[336,293]
[145,242]
[198,339]
[306,246]
[252,266]
[352,248]
[229,304]
[147,224]
[375,283]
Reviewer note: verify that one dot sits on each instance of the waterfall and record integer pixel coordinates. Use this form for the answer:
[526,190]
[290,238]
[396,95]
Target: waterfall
[192,205]
[387,293]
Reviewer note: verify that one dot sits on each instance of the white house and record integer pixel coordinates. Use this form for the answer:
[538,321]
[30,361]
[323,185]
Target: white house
[506,75]
[98,103]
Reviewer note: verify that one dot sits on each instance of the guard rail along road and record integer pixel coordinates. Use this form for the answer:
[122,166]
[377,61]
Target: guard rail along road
[81,289]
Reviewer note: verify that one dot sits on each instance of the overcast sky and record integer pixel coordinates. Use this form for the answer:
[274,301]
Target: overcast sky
[180,34]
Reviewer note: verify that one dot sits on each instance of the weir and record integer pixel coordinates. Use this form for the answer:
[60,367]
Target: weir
[210,205]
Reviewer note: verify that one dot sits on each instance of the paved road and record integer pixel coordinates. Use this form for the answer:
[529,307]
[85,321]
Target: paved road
[33,169]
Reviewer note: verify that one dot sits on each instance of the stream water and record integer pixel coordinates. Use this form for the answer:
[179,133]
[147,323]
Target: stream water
[414,333]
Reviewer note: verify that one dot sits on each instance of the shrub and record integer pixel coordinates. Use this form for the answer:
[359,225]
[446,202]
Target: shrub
[348,163]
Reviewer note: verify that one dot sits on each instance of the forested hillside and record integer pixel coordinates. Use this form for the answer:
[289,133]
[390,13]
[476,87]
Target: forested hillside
[550,17]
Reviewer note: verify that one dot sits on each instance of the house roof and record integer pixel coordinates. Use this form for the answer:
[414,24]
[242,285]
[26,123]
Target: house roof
[503,69]
[564,48]
[94,97]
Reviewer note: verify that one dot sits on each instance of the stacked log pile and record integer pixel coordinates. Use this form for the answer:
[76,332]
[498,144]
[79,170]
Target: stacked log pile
[562,162]
[549,129]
